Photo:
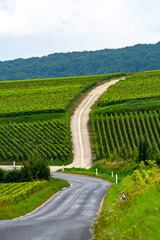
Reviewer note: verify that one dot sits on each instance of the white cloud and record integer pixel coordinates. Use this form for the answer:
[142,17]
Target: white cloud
[81,24]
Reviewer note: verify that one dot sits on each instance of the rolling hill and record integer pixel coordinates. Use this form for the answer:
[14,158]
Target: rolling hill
[141,57]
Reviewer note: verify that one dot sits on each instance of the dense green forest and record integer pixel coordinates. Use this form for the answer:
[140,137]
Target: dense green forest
[141,57]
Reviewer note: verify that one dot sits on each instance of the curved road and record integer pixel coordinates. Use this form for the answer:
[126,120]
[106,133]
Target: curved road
[67,216]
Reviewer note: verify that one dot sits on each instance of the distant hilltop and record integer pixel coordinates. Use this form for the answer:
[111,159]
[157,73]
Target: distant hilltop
[138,58]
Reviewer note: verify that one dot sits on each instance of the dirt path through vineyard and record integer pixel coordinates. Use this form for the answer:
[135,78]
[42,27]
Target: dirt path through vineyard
[82,152]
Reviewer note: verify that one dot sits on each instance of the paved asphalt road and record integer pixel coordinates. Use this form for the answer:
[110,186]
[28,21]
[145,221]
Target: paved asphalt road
[68,216]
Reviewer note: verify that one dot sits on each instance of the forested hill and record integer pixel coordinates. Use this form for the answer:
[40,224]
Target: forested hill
[141,57]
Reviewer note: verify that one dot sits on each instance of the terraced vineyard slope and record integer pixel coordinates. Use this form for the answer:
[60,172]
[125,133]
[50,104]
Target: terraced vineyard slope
[45,95]
[138,86]
[127,115]
[52,139]
[118,133]
[28,113]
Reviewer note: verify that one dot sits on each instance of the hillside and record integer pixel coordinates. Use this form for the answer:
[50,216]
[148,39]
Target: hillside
[141,57]
[126,116]
[34,117]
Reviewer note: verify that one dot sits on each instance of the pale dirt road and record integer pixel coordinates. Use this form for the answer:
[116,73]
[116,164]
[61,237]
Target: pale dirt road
[82,152]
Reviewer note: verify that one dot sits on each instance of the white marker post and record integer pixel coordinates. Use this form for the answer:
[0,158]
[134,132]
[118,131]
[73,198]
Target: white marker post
[112,174]
[96,171]
[63,168]
[14,164]
[116,178]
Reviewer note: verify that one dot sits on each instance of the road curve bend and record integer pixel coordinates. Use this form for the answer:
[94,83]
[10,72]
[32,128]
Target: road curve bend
[67,216]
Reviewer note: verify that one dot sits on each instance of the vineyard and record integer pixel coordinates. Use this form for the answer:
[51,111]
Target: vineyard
[52,140]
[122,132]
[15,192]
[138,86]
[44,95]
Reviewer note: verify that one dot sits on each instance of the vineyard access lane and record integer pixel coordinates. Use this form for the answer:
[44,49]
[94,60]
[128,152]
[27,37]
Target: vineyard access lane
[67,216]
[82,152]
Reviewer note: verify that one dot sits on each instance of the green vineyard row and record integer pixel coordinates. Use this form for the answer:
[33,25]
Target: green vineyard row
[138,86]
[52,140]
[14,192]
[44,95]
[117,132]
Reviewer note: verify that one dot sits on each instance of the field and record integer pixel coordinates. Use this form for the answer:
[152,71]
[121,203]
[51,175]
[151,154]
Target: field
[19,199]
[44,95]
[129,112]
[34,117]
[52,140]
[139,86]
[15,192]
[116,133]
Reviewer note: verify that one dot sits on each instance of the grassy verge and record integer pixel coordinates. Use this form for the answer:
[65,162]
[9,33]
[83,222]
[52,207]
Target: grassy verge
[36,117]
[49,163]
[10,163]
[59,162]
[105,169]
[13,210]
[126,107]
[137,218]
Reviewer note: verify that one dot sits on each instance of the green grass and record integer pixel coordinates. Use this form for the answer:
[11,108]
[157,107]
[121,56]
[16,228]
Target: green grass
[126,107]
[12,210]
[59,162]
[137,218]
[36,117]
[105,169]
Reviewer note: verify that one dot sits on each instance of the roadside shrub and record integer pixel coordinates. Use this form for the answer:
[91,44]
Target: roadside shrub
[35,168]
[26,172]
[146,174]
[13,176]
[1,175]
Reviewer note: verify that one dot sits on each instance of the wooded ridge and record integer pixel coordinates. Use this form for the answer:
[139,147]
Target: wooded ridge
[141,57]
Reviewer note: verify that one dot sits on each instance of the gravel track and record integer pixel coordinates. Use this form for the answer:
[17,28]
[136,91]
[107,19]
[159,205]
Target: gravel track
[81,145]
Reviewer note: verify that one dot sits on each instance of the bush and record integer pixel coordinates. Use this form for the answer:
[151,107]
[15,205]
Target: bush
[26,172]
[13,176]
[1,175]
[35,168]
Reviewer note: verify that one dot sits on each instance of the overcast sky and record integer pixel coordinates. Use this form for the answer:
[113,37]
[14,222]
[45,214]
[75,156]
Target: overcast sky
[41,27]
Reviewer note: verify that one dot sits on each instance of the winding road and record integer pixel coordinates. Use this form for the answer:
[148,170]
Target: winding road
[70,214]
[67,216]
